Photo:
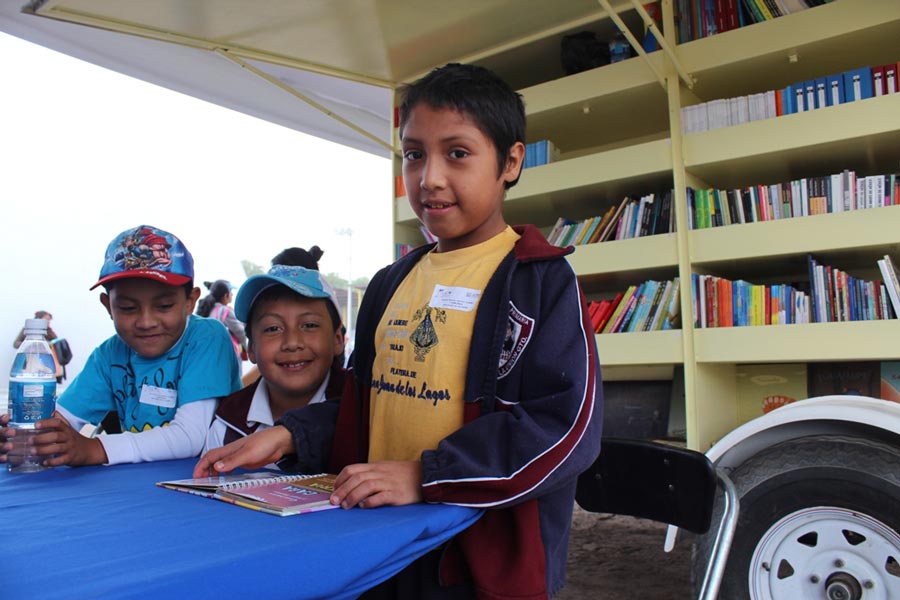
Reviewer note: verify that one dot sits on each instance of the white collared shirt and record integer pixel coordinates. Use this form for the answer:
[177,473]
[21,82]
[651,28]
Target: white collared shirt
[260,414]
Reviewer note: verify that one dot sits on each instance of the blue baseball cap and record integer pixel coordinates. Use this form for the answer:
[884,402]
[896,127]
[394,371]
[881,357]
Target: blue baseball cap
[147,252]
[306,282]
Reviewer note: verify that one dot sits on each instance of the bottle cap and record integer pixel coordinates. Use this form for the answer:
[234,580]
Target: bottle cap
[36,326]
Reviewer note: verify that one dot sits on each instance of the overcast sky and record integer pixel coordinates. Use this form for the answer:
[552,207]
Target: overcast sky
[87,153]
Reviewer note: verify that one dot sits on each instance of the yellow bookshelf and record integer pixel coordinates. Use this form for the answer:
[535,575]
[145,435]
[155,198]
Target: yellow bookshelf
[619,131]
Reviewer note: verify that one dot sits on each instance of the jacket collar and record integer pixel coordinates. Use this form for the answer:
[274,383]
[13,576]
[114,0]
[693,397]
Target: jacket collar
[534,246]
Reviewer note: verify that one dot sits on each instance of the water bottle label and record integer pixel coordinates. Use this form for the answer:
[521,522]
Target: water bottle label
[32,401]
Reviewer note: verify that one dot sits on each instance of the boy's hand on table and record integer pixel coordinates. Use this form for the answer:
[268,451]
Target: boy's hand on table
[65,446]
[251,452]
[386,483]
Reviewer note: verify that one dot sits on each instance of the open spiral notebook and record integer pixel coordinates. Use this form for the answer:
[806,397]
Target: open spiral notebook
[282,495]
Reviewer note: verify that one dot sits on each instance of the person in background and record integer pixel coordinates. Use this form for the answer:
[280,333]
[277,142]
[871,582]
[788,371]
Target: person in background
[38,314]
[163,371]
[215,305]
[475,378]
[295,340]
[51,336]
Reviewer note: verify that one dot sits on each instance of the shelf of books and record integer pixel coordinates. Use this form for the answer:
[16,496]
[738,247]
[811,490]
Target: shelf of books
[841,35]
[777,148]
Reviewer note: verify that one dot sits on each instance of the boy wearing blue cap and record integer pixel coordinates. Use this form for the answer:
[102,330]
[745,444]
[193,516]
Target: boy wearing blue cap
[163,372]
[295,339]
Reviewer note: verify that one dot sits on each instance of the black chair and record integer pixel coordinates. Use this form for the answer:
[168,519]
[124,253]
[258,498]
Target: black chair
[664,483]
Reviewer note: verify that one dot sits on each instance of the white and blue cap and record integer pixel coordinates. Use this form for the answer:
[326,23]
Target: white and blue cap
[306,282]
[147,252]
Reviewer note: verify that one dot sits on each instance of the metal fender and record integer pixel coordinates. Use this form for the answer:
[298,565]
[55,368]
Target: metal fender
[858,415]
[872,418]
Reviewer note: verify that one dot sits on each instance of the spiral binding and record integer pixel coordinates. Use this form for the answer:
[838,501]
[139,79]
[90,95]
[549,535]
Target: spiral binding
[251,483]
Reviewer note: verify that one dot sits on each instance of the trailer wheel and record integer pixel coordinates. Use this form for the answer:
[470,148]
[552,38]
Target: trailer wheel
[819,518]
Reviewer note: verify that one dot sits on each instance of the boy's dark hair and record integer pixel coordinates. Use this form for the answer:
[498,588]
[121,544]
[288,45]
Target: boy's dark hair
[479,94]
[298,257]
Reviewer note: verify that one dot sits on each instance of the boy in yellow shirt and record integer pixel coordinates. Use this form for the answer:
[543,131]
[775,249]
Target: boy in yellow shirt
[476,371]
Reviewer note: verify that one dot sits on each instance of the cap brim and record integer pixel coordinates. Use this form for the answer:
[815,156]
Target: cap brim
[160,276]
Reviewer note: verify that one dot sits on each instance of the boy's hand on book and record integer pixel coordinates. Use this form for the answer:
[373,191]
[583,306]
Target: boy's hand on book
[251,452]
[386,483]
[65,446]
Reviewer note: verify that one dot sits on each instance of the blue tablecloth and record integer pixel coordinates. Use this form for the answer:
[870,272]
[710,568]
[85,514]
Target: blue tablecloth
[110,532]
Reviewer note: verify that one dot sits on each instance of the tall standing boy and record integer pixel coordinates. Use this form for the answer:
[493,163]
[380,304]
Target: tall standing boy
[476,367]
[162,373]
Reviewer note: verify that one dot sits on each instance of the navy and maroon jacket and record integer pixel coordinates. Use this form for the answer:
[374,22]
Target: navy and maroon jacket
[533,414]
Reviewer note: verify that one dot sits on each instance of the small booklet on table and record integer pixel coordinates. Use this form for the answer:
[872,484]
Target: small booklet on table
[282,495]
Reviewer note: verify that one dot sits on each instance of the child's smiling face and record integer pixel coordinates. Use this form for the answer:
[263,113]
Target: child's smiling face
[148,315]
[293,342]
[450,173]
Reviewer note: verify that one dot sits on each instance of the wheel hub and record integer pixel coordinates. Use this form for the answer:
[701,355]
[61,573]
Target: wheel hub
[826,553]
[842,586]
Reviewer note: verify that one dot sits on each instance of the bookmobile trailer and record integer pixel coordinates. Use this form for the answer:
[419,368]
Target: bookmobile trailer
[818,480]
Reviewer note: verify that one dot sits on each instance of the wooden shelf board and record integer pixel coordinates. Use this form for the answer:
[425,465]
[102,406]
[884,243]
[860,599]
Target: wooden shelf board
[662,372]
[862,135]
[574,111]
[644,348]
[650,252]
[858,340]
[872,230]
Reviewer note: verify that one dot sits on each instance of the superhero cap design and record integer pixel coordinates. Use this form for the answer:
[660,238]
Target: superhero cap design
[146,252]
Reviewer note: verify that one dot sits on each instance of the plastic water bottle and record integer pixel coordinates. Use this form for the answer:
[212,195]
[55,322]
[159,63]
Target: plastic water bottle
[32,395]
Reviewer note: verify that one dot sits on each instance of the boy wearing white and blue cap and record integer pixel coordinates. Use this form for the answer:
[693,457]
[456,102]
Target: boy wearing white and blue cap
[295,339]
[162,373]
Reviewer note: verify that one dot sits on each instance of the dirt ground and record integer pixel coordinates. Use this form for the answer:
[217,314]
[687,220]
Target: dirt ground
[622,558]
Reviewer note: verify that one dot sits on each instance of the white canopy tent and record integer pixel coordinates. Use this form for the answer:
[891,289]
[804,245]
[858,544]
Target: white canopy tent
[209,76]
[324,67]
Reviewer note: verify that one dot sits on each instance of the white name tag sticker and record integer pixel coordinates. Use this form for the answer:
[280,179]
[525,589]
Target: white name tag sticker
[454,298]
[158,396]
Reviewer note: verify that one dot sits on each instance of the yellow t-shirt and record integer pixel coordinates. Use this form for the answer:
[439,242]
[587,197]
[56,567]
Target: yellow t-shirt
[422,349]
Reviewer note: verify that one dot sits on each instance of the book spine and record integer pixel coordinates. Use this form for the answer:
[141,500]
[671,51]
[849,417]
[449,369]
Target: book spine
[627,311]
[616,317]
[891,281]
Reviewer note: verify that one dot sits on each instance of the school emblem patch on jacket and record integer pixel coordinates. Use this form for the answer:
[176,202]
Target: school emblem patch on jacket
[519,328]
